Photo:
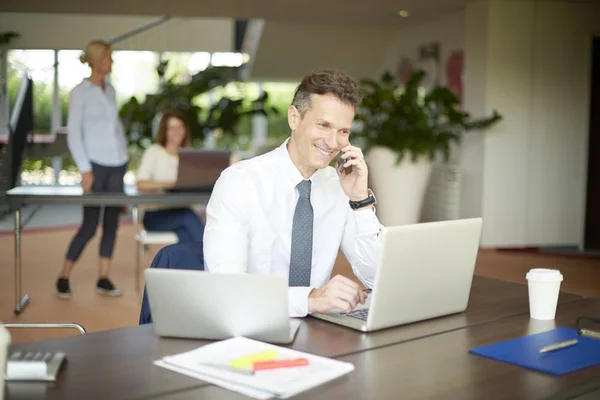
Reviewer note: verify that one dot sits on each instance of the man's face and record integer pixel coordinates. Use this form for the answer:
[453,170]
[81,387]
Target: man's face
[321,133]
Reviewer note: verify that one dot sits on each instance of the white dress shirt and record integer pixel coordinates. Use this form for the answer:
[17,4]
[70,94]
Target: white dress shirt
[95,130]
[249,224]
[158,165]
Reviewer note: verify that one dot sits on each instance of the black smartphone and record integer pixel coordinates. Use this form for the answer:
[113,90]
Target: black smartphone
[341,162]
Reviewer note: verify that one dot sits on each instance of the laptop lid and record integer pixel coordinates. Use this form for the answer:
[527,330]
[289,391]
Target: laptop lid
[214,306]
[201,168]
[425,271]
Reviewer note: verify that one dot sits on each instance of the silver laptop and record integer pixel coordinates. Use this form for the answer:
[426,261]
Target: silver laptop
[215,306]
[199,169]
[425,271]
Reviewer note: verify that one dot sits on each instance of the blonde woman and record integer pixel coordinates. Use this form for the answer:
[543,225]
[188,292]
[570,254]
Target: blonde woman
[99,148]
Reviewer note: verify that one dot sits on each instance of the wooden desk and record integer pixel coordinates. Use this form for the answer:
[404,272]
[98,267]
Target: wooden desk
[440,367]
[119,362]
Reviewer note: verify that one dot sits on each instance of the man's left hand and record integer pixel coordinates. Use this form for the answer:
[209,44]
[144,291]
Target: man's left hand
[355,184]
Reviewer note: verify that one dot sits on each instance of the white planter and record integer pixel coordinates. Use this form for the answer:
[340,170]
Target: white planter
[399,189]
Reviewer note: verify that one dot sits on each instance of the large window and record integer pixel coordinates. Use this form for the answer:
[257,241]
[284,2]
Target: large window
[134,74]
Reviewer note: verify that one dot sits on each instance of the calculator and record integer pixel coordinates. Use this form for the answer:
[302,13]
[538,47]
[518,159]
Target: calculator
[33,366]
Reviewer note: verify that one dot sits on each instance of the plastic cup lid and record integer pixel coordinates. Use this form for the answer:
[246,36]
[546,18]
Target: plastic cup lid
[544,275]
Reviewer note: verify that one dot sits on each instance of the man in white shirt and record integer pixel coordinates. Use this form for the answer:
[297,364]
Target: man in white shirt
[287,212]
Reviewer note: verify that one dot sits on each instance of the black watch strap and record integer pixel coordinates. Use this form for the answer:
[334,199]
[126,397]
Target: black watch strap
[355,205]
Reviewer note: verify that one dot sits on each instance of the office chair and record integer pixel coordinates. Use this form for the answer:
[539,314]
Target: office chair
[175,256]
[144,239]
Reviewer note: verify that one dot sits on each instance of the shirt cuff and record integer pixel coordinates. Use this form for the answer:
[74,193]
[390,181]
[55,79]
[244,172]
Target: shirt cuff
[85,167]
[298,300]
[366,221]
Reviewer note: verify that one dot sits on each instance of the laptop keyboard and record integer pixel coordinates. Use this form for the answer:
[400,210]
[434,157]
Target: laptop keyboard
[361,314]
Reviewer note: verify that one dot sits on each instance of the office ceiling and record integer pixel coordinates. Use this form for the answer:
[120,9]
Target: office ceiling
[298,36]
[335,12]
[71,31]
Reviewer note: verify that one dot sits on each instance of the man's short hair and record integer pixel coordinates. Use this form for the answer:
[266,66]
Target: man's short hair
[327,81]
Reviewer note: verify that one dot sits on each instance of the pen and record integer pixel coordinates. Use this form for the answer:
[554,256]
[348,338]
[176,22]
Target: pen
[558,346]
[297,362]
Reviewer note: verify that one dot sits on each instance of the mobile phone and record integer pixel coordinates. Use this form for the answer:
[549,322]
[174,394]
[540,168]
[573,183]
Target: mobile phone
[341,162]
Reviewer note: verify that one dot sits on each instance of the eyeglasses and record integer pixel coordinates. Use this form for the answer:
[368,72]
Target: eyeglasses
[583,325]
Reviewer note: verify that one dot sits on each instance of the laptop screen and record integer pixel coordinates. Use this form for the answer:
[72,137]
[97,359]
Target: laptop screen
[201,168]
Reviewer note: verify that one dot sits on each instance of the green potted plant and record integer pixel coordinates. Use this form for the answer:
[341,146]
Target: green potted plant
[139,119]
[403,131]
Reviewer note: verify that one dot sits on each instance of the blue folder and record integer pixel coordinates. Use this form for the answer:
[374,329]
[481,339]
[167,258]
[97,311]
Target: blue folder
[525,352]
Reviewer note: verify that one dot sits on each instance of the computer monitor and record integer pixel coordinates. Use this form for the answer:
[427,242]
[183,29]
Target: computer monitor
[19,127]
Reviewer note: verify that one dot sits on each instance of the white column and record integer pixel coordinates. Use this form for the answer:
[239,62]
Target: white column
[56,121]
[259,125]
[4,109]
[471,151]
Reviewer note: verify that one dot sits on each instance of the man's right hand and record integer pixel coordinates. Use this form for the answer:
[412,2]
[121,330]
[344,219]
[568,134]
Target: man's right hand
[339,293]
[87,180]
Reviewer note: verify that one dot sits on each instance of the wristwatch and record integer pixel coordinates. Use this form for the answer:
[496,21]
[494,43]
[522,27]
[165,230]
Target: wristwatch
[355,205]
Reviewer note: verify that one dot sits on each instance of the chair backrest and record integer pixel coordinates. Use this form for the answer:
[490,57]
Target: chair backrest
[176,256]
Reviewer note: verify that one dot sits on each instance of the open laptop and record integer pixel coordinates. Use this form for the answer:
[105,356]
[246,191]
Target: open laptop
[214,306]
[425,271]
[199,169]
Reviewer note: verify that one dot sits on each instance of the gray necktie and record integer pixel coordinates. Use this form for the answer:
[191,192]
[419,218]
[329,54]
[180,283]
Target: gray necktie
[302,238]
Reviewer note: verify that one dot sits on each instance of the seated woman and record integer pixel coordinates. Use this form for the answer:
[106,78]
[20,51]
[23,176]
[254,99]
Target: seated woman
[158,170]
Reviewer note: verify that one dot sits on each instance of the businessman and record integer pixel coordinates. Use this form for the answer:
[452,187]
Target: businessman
[287,212]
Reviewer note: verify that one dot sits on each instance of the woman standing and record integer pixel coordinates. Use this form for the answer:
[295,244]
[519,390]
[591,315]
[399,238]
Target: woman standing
[97,143]
[158,170]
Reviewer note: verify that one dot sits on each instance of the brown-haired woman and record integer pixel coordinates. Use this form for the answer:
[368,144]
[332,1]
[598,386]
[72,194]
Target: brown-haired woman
[158,170]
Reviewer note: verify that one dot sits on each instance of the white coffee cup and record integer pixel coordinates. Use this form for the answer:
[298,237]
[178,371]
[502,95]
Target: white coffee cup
[4,343]
[544,286]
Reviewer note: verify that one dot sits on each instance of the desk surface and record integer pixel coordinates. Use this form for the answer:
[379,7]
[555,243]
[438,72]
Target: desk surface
[440,367]
[48,194]
[123,357]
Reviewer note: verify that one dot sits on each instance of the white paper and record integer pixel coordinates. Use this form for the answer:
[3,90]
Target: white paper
[257,394]
[281,383]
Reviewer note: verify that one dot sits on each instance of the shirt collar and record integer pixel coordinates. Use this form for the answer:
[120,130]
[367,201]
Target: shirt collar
[289,170]
[86,81]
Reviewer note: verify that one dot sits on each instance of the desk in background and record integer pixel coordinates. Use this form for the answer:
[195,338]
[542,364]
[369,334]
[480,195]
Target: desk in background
[23,195]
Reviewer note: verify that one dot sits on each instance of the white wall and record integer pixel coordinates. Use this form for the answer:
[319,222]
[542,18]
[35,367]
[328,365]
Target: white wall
[447,30]
[508,78]
[471,151]
[560,120]
[530,60]
[537,74]
[287,52]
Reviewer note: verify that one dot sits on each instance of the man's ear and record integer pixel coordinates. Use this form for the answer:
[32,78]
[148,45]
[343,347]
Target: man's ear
[293,117]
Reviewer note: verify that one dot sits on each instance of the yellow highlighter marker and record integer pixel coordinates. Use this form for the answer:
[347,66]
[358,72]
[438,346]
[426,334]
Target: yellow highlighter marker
[250,359]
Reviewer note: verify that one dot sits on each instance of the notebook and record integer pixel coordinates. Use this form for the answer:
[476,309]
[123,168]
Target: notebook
[525,352]
[212,364]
